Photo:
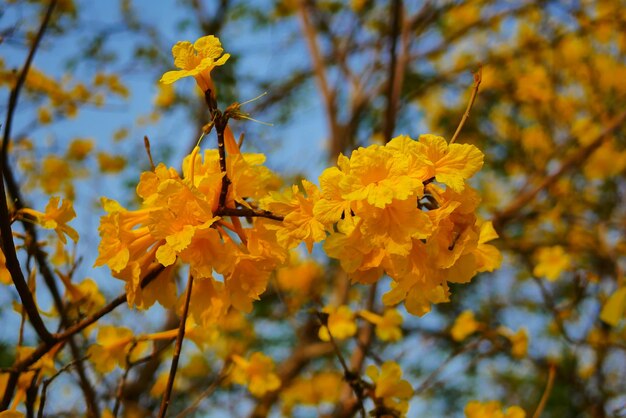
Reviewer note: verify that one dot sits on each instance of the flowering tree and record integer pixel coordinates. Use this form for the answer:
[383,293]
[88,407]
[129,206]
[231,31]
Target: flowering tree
[347,293]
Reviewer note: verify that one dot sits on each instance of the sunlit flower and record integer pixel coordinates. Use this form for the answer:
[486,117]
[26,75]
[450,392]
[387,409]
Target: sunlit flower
[197,61]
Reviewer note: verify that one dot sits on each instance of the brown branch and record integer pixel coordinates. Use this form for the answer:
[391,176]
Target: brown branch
[47,382]
[45,347]
[179,344]
[247,213]
[477,80]
[394,83]
[222,375]
[352,377]
[328,96]
[8,245]
[546,392]
[512,210]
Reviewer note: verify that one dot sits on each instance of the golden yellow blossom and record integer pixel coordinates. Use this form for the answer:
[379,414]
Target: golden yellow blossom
[197,61]
[519,341]
[340,323]
[112,347]
[551,262]
[464,325]
[80,148]
[257,374]
[110,164]
[615,307]
[389,387]
[5,275]
[387,326]
[492,409]
[58,214]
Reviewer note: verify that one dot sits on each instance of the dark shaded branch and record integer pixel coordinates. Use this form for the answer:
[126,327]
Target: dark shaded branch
[179,345]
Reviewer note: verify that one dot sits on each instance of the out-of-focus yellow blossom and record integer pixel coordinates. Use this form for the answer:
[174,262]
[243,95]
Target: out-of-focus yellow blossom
[299,280]
[120,134]
[519,341]
[165,96]
[79,149]
[340,323]
[58,214]
[44,115]
[112,346]
[615,307]
[389,387]
[257,374]
[110,164]
[112,82]
[197,60]
[464,325]
[324,387]
[55,172]
[44,367]
[606,161]
[551,262]
[85,296]
[492,409]
[5,276]
[387,326]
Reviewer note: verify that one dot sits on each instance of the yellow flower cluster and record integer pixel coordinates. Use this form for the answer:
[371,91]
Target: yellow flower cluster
[403,209]
[177,221]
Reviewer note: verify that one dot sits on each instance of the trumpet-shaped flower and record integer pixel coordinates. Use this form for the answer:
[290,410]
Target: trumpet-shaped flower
[58,214]
[197,60]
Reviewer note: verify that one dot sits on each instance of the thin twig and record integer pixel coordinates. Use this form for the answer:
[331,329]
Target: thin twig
[45,347]
[353,378]
[146,144]
[179,344]
[546,392]
[47,382]
[394,82]
[477,79]
[223,374]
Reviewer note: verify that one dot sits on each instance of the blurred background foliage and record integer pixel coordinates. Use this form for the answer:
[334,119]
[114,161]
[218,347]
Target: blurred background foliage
[549,118]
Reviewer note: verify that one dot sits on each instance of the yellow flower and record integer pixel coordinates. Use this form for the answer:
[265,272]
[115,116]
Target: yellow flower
[492,409]
[5,276]
[393,391]
[257,374]
[519,341]
[112,346]
[165,96]
[340,323]
[387,326]
[464,325]
[300,223]
[197,61]
[56,217]
[79,149]
[452,164]
[615,307]
[108,163]
[551,262]
[324,387]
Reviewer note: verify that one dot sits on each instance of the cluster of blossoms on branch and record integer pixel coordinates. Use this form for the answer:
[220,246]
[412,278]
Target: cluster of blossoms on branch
[403,209]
